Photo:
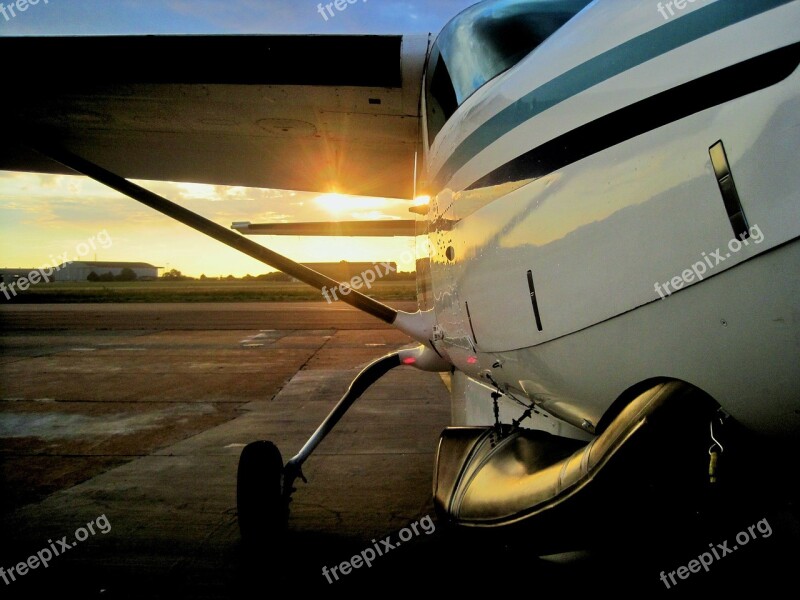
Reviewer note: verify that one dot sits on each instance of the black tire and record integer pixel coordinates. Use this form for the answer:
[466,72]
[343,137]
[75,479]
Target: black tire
[262,511]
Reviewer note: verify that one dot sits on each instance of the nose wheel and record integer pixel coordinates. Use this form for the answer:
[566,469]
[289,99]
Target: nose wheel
[263,509]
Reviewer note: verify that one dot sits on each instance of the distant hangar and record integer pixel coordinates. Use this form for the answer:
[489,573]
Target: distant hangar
[80,270]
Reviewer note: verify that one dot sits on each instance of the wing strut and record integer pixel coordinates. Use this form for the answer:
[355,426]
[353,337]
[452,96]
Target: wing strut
[218,232]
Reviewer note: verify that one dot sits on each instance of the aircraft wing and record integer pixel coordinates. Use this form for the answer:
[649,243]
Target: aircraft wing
[309,113]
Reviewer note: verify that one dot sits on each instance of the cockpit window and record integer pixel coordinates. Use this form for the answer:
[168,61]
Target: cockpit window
[482,42]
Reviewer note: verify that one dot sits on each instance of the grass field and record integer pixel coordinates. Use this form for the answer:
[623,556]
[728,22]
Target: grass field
[193,291]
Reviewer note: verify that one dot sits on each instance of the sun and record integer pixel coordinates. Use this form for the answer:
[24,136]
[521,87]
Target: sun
[339,204]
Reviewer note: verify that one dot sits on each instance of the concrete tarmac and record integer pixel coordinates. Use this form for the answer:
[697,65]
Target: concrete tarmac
[120,432]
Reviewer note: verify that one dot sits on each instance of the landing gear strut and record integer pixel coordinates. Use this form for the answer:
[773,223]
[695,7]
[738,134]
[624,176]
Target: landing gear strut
[264,485]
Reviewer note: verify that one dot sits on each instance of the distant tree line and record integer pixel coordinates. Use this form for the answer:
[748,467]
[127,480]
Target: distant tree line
[279,277]
[127,274]
[276,276]
[175,275]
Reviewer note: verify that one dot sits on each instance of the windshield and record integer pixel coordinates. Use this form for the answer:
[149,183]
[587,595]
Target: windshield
[482,42]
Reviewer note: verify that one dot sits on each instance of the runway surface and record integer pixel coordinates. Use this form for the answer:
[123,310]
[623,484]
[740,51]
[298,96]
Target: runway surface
[121,428]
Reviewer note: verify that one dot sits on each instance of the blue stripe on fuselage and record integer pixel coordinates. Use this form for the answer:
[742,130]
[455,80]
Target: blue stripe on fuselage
[677,32]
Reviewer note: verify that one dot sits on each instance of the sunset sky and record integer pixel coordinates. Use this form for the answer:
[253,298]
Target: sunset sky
[44,217]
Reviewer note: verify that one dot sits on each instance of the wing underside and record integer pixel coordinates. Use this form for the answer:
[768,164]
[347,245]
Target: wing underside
[306,113]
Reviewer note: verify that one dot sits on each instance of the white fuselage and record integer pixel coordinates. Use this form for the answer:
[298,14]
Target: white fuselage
[611,242]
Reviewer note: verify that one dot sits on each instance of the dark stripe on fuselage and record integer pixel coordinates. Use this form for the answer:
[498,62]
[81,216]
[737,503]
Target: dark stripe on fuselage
[637,51]
[646,115]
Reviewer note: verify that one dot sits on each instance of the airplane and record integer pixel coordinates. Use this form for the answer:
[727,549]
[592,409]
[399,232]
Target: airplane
[611,258]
